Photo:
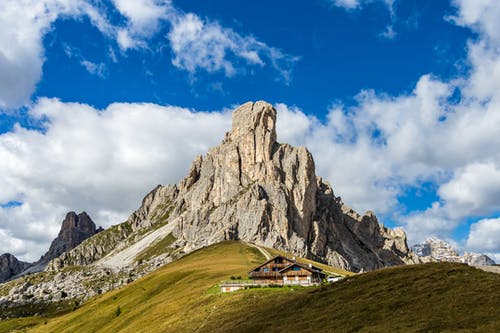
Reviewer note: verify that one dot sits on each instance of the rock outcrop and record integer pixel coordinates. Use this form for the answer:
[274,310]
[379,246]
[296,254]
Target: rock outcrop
[477,259]
[435,249]
[35,293]
[74,230]
[94,248]
[255,189]
[10,266]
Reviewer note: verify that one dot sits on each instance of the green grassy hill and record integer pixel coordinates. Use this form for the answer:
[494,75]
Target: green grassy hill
[183,297]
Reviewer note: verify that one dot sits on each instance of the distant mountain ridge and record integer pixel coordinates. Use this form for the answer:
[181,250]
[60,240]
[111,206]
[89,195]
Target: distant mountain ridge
[74,230]
[435,249]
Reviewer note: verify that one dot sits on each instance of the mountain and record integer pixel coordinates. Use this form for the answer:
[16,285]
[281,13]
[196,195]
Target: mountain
[477,259]
[435,249]
[249,188]
[184,296]
[10,266]
[74,230]
[254,189]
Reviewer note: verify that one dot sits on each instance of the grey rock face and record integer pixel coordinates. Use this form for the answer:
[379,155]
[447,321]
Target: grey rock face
[476,259]
[40,290]
[94,248]
[255,189]
[10,266]
[422,250]
[74,230]
[435,249]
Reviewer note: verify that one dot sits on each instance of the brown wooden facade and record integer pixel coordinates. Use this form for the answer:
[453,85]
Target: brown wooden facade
[302,274]
[281,270]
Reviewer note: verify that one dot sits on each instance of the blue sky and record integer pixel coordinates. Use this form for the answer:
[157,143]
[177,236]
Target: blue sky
[398,101]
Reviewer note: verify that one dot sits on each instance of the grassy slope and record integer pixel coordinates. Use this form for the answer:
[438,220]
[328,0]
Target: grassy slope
[440,297]
[181,297]
[173,298]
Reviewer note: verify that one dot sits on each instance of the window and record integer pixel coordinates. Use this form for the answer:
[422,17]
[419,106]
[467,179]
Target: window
[296,268]
[266,270]
[278,261]
[275,269]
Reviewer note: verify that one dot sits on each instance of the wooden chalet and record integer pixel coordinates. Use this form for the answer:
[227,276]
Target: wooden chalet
[282,270]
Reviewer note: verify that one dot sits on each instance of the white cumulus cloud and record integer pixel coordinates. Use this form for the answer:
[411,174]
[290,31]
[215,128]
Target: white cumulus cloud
[101,161]
[484,237]
[23,23]
[144,19]
[473,190]
[481,15]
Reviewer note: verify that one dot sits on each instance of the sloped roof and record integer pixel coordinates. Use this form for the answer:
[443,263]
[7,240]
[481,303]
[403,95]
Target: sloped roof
[311,269]
[272,259]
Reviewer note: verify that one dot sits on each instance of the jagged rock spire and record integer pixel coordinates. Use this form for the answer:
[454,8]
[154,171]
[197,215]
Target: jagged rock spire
[74,230]
[10,266]
[254,131]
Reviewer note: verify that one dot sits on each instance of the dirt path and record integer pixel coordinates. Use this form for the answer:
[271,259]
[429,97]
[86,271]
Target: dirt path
[263,251]
[206,319]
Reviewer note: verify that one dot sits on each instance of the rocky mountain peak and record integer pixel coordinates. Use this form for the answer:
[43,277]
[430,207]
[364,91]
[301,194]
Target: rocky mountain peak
[10,266]
[252,188]
[254,131]
[435,249]
[81,222]
[74,230]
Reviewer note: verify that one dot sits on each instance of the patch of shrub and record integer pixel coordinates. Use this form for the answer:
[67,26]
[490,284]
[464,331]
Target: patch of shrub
[275,285]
